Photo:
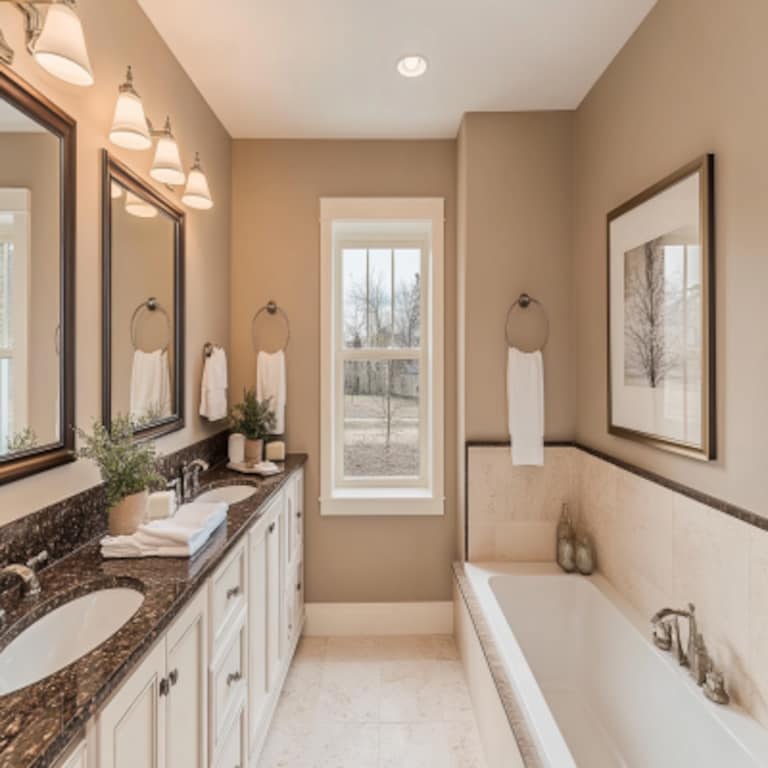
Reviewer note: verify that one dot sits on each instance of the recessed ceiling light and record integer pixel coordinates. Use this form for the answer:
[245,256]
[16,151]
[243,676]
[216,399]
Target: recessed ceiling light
[412,66]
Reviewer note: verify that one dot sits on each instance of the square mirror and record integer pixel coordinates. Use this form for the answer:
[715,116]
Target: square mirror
[143,303]
[37,215]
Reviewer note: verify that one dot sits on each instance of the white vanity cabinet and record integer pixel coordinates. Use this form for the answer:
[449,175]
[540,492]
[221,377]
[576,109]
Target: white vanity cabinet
[157,718]
[204,696]
[76,757]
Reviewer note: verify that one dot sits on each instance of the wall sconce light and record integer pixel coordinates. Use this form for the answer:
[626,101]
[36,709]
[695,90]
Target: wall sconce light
[129,125]
[197,194]
[166,167]
[115,191]
[55,39]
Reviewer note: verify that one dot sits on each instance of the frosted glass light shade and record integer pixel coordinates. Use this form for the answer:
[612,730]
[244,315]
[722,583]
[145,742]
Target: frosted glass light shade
[116,191]
[166,167]
[138,207]
[197,194]
[60,48]
[129,125]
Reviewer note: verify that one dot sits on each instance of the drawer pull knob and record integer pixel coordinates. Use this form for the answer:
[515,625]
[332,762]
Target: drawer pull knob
[298,514]
[271,528]
[173,676]
[233,592]
[298,587]
[164,687]
[234,677]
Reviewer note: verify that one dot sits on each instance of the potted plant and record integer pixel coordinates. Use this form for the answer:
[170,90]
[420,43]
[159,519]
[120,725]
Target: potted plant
[128,469]
[254,419]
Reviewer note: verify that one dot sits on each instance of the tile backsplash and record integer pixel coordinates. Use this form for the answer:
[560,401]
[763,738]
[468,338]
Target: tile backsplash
[656,546]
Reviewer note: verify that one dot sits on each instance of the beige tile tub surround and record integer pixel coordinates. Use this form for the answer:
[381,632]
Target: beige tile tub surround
[374,702]
[657,547]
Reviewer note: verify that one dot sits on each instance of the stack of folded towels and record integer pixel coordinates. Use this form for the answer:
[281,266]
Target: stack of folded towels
[179,536]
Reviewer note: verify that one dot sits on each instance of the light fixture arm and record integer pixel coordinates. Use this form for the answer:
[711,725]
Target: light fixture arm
[33,24]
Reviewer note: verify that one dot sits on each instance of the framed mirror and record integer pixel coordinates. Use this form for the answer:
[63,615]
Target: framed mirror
[37,282]
[143,296]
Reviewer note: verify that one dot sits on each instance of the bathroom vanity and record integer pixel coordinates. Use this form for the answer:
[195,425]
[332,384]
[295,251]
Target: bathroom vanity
[192,679]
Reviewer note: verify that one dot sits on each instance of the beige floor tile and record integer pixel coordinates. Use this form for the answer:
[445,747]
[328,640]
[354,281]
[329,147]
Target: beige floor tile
[374,702]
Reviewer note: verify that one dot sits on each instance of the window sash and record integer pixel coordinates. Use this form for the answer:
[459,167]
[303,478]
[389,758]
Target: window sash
[344,353]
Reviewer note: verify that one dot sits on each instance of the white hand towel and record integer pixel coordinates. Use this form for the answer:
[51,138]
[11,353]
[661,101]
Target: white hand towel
[270,385]
[525,403]
[179,536]
[150,385]
[213,389]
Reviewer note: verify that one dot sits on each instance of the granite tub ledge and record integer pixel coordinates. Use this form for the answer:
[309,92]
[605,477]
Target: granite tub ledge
[39,721]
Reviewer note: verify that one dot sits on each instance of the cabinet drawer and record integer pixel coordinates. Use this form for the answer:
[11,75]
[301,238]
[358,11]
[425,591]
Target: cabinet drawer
[228,597]
[233,746]
[228,686]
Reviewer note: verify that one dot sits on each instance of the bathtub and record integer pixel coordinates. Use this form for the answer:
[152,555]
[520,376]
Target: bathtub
[592,689]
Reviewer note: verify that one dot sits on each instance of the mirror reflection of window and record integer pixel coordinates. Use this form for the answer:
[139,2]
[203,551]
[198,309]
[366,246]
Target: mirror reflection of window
[143,295]
[30,402]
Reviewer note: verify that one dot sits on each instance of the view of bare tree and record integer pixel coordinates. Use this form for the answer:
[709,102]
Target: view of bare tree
[647,302]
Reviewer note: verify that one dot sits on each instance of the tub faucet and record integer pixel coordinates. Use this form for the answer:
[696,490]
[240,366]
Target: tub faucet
[666,635]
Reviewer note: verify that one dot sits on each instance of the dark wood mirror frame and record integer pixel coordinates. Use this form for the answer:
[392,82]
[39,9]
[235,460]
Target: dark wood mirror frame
[114,170]
[35,105]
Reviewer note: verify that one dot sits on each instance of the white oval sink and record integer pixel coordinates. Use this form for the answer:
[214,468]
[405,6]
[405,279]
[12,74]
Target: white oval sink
[232,494]
[64,635]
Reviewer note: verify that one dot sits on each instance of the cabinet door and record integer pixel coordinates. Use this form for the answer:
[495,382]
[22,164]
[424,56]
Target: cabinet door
[258,608]
[77,758]
[275,610]
[186,723]
[131,728]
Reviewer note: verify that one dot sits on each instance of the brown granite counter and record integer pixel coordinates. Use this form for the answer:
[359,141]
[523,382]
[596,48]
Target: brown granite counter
[39,721]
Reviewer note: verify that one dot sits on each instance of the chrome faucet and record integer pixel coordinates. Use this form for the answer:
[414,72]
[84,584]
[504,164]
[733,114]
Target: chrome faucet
[666,635]
[190,478]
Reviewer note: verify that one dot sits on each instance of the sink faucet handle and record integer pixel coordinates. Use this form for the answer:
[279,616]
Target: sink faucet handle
[38,560]
[662,635]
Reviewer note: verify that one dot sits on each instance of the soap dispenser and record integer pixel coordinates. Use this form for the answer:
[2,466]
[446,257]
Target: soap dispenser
[585,554]
[566,553]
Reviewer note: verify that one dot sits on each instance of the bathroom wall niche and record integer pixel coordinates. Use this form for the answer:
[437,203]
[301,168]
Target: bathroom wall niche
[143,297]
[37,262]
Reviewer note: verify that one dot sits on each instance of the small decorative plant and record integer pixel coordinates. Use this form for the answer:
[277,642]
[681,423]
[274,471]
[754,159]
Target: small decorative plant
[253,418]
[127,466]
[25,440]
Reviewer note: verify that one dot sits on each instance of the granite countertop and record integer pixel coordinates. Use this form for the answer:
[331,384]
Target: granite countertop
[39,721]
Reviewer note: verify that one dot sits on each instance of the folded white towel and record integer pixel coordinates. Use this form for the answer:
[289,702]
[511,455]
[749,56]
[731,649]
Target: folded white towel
[525,403]
[270,385]
[150,385]
[213,388]
[179,536]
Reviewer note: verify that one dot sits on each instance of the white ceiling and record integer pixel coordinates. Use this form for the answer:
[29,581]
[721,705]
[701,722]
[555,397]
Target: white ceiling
[326,68]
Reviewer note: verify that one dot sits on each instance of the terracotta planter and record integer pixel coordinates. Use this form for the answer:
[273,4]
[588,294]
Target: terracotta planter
[126,516]
[254,451]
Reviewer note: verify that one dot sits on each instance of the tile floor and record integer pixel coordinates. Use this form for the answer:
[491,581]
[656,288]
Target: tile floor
[374,702]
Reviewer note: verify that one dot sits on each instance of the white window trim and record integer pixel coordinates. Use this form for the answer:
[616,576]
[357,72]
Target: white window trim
[385,501]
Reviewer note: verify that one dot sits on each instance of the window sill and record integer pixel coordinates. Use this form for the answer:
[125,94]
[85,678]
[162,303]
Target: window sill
[385,503]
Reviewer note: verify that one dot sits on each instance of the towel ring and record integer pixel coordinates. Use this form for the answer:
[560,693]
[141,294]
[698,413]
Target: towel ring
[272,309]
[151,305]
[524,301]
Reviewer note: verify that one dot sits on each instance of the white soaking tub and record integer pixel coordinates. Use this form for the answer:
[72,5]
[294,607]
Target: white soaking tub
[593,689]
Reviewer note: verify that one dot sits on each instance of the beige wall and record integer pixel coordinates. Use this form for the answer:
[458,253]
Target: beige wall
[686,83]
[276,255]
[515,238]
[119,34]
[31,161]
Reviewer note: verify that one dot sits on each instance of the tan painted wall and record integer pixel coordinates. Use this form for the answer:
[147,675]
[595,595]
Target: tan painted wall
[276,255]
[688,82]
[118,34]
[516,237]
[31,161]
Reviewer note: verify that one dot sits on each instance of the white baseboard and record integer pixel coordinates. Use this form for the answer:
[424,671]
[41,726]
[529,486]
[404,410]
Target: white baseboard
[337,619]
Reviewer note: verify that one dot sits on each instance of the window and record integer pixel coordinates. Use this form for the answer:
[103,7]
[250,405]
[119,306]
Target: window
[14,239]
[382,356]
